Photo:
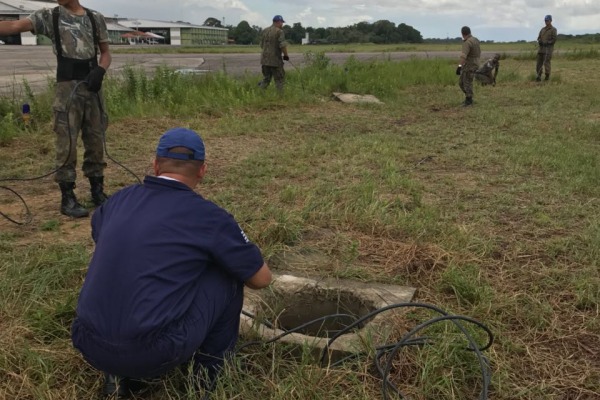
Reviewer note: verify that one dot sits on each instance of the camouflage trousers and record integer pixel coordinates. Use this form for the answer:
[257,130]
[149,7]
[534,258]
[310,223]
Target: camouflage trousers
[543,60]
[465,82]
[276,73]
[484,79]
[77,109]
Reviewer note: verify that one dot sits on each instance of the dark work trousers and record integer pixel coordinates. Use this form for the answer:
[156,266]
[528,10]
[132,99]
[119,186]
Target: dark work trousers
[206,334]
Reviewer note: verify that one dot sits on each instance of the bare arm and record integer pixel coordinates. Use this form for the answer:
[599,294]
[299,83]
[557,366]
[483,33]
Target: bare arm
[14,27]
[105,56]
[261,279]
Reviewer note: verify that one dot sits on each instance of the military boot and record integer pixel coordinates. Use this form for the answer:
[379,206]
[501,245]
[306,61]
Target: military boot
[547,78]
[468,102]
[69,205]
[97,189]
[538,78]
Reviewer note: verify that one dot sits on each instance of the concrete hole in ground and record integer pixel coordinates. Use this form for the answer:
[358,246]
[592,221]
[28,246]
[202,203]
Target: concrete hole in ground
[291,301]
[288,311]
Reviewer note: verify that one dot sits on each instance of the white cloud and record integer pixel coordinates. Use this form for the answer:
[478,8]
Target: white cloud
[516,19]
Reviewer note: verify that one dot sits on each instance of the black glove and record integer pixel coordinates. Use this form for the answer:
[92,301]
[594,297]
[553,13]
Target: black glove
[458,70]
[94,79]
[286,58]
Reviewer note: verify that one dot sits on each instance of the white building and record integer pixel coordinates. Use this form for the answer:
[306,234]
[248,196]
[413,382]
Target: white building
[173,33]
[11,10]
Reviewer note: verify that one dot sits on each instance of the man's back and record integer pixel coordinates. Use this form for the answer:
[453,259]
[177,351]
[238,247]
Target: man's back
[471,51]
[488,67]
[271,40]
[153,244]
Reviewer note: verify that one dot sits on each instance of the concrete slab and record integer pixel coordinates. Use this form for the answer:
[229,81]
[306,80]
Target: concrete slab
[356,98]
[292,301]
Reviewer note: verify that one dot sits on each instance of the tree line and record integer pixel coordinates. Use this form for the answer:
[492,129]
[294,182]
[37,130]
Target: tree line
[380,32]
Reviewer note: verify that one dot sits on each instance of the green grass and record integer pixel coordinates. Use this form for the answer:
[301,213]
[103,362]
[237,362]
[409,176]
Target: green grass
[350,48]
[490,212]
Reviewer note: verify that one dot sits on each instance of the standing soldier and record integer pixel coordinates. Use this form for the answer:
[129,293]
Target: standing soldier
[468,64]
[77,34]
[546,40]
[273,44]
[489,71]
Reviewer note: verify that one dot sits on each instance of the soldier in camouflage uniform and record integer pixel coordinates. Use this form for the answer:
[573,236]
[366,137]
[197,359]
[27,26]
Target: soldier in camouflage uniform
[78,104]
[546,40]
[489,71]
[273,44]
[468,64]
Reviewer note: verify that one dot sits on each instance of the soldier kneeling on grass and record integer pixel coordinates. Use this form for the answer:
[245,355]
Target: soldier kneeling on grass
[488,72]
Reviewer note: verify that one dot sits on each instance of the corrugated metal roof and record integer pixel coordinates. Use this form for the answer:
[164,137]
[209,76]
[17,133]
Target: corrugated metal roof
[148,23]
[111,26]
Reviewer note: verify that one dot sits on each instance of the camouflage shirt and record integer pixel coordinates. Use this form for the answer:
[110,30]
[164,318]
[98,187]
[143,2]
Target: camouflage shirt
[471,52]
[546,39]
[76,34]
[489,66]
[271,42]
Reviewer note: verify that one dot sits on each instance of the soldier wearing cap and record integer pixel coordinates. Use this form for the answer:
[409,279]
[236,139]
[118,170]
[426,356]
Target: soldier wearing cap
[468,64]
[165,284]
[546,40]
[78,35]
[273,45]
[487,73]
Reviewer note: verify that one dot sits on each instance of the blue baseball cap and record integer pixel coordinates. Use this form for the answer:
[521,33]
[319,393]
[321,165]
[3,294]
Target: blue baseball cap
[278,18]
[180,137]
[548,17]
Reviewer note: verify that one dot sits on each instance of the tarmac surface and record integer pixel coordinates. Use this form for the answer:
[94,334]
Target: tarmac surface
[37,64]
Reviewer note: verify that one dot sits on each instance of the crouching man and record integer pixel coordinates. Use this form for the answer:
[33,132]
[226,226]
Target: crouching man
[165,284]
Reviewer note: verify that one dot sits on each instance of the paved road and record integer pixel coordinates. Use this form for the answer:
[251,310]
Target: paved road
[37,64]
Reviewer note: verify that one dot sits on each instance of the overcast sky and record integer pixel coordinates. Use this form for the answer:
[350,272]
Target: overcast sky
[498,20]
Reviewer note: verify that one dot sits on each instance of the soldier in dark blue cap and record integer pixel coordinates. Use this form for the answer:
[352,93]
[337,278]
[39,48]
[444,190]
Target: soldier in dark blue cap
[165,284]
[546,40]
[273,45]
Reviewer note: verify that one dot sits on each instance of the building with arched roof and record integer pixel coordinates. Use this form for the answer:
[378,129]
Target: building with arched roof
[177,33]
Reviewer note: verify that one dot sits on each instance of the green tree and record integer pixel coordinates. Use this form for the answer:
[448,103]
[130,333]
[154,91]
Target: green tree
[296,33]
[383,31]
[245,34]
[210,21]
[409,34]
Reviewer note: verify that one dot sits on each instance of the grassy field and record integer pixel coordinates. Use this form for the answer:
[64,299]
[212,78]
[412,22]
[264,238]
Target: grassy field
[350,48]
[492,212]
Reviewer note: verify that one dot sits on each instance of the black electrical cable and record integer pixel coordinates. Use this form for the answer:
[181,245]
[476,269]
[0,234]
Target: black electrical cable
[392,350]
[105,124]
[28,216]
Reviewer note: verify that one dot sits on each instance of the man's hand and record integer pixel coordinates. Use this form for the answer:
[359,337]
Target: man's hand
[458,69]
[286,58]
[95,78]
